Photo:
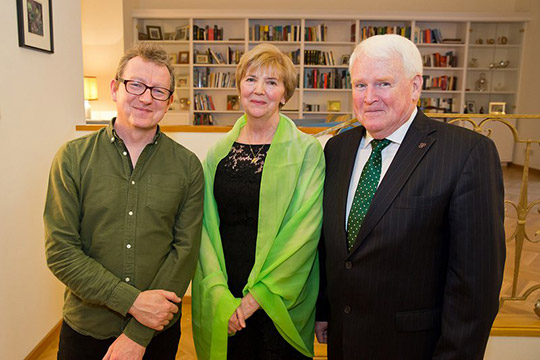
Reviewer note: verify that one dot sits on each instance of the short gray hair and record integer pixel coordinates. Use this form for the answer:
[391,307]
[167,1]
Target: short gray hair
[390,46]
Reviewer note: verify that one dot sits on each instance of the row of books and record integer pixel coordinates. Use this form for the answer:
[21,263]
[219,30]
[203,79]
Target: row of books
[203,119]
[327,79]
[206,78]
[274,33]
[204,102]
[319,57]
[368,31]
[232,56]
[207,32]
[428,36]
[316,33]
[444,83]
[442,105]
[438,60]
[294,55]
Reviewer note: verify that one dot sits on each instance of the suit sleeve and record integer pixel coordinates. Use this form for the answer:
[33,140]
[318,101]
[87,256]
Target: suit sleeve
[476,256]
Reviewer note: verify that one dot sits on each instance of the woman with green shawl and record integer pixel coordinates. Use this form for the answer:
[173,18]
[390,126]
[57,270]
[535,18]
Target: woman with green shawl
[257,278]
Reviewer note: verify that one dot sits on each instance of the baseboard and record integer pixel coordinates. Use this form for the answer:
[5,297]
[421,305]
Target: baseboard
[51,337]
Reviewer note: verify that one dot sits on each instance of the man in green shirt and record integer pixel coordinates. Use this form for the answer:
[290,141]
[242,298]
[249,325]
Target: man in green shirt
[123,222]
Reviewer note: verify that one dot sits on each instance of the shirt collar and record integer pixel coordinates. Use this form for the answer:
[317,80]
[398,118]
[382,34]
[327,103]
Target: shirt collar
[113,135]
[398,135]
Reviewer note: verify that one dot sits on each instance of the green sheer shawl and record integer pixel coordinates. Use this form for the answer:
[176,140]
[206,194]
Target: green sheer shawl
[285,277]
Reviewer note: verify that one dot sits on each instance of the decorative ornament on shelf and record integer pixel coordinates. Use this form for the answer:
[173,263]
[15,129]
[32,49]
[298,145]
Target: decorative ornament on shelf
[473,63]
[90,94]
[481,83]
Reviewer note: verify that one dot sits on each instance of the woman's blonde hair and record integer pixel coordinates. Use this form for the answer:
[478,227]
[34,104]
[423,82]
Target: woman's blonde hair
[267,56]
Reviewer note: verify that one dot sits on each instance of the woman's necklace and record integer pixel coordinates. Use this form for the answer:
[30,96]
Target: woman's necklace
[256,156]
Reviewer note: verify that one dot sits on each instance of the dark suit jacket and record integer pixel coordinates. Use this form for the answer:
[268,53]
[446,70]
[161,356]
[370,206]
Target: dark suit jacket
[423,278]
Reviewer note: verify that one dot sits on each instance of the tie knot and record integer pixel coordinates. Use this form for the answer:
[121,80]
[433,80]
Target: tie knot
[379,145]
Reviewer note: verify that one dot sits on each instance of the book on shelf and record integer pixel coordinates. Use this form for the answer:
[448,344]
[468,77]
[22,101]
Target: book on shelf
[437,104]
[274,33]
[368,31]
[438,60]
[205,78]
[443,83]
[316,33]
[319,57]
[427,36]
[327,79]
[203,119]
[207,32]
[204,102]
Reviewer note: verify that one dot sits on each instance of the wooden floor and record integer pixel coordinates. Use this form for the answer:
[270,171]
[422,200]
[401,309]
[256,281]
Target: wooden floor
[513,315]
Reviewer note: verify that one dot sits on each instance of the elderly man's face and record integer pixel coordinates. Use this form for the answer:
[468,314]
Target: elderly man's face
[383,97]
[141,111]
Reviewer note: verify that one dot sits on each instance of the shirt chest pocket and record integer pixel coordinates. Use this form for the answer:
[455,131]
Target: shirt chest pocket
[165,193]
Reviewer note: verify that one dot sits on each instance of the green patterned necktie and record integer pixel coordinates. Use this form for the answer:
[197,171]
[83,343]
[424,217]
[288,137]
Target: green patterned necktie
[366,189]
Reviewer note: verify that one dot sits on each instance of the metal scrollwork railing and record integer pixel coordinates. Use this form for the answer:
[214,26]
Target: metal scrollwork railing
[478,123]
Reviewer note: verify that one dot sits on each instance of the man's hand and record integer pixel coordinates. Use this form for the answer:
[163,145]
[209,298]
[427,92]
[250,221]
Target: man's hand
[321,330]
[123,348]
[154,309]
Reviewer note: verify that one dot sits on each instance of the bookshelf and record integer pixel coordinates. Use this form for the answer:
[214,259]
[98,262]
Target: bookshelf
[319,45]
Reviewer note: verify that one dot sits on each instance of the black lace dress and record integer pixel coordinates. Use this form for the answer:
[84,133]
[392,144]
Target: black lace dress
[237,186]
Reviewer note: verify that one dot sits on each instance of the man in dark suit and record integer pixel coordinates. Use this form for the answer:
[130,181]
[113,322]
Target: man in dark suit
[412,251]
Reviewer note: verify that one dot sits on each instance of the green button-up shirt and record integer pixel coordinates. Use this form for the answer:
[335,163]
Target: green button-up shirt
[113,231]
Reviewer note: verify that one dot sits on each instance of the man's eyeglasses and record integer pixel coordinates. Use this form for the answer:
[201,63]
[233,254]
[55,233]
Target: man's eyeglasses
[134,87]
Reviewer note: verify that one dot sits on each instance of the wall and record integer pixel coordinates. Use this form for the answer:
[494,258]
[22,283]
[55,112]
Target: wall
[102,47]
[40,102]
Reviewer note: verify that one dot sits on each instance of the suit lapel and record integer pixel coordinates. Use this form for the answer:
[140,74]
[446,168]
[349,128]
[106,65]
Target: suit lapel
[414,147]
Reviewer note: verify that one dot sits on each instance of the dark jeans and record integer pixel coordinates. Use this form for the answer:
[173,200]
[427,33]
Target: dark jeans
[260,340]
[75,346]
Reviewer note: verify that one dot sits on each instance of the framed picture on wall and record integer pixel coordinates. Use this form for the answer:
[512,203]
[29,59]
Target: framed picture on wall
[154,32]
[35,25]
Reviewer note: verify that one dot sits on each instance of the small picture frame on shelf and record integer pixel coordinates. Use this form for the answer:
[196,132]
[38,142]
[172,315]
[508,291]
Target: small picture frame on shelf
[345,59]
[154,32]
[471,107]
[233,102]
[182,33]
[173,58]
[333,105]
[183,57]
[182,81]
[202,59]
[497,108]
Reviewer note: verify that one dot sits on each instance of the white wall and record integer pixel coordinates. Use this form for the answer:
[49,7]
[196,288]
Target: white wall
[40,102]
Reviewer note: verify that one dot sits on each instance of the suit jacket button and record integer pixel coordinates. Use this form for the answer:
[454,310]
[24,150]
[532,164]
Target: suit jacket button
[347,309]
[348,265]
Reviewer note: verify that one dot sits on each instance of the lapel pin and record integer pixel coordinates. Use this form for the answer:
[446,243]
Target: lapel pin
[422,145]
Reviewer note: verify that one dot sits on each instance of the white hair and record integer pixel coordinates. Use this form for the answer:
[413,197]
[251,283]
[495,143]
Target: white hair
[387,47]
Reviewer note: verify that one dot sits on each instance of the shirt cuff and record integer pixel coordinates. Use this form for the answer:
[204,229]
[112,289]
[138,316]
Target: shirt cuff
[139,333]
[122,298]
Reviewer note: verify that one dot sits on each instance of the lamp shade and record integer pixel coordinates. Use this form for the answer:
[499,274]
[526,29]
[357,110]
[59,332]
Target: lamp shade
[90,88]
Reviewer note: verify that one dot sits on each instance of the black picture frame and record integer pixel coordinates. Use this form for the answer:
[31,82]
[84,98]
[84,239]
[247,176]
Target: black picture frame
[154,32]
[35,25]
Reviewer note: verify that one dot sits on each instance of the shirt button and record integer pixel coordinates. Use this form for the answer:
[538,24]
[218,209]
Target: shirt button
[130,213]
[124,153]
[348,265]
[112,139]
[127,279]
[132,182]
[347,309]
[128,246]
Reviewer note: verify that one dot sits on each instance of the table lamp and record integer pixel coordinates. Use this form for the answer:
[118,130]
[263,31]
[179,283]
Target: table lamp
[90,94]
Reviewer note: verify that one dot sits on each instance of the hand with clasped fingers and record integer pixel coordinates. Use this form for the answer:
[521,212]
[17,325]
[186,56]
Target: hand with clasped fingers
[321,330]
[247,307]
[155,308]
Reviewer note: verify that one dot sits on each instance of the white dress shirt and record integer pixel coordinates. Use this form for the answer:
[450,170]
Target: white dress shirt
[364,151]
